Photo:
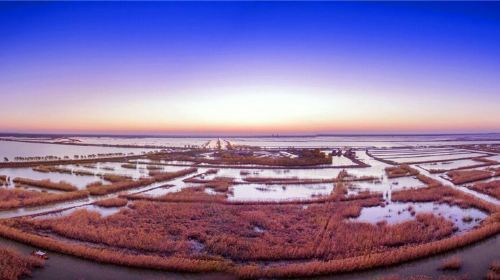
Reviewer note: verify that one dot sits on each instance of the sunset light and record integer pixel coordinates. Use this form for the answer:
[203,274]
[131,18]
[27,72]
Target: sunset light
[249,67]
[227,140]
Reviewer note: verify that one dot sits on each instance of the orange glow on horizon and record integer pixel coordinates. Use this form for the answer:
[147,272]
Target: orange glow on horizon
[299,127]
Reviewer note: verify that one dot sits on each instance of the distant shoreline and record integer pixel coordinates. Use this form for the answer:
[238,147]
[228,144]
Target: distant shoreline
[60,135]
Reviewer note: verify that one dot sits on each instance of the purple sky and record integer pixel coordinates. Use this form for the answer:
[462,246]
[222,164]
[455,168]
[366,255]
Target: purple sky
[249,67]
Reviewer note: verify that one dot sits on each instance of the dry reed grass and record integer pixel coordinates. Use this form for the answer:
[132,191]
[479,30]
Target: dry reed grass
[402,170]
[46,184]
[129,166]
[430,182]
[490,188]
[306,157]
[467,176]
[173,263]
[47,169]
[4,180]
[13,265]
[452,263]
[112,202]
[101,189]
[113,178]
[494,271]
[15,198]
[446,195]
[228,233]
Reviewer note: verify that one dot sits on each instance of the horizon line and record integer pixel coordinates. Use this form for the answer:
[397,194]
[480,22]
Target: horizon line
[142,135]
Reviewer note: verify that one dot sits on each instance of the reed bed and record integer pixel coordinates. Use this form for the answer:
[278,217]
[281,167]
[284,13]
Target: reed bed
[186,196]
[220,184]
[197,178]
[342,176]
[15,198]
[430,182]
[234,237]
[153,167]
[452,263]
[306,157]
[496,171]
[112,202]
[117,257]
[402,170]
[62,170]
[42,168]
[290,180]
[490,188]
[423,277]
[83,173]
[467,176]
[383,259]
[229,231]
[445,195]
[437,171]
[129,166]
[165,176]
[46,184]
[494,271]
[99,188]
[4,180]
[13,265]
[113,178]
[56,169]
[83,160]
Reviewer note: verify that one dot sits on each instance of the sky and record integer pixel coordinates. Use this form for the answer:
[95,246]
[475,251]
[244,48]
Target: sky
[249,67]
